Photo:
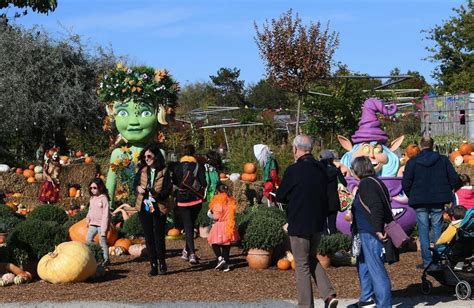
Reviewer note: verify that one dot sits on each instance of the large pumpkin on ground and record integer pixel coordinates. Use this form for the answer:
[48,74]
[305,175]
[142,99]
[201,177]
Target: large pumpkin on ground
[78,232]
[124,243]
[250,168]
[70,262]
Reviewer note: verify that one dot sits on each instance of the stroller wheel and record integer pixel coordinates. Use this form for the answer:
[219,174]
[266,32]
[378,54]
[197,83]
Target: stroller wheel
[426,286]
[463,290]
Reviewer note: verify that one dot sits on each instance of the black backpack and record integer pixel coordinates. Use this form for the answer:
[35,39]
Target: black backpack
[191,182]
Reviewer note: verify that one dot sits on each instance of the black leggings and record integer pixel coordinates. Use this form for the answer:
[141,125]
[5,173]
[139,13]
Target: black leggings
[154,228]
[188,215]
[222,251]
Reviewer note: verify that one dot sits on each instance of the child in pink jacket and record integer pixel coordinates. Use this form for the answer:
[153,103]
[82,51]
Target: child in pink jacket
[98,216]
[465,194]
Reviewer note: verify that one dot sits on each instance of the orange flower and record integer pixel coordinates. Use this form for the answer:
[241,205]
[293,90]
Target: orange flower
[159,74]
[114,167]
[126,162]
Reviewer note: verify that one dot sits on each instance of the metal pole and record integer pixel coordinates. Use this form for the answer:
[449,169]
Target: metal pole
[298,116]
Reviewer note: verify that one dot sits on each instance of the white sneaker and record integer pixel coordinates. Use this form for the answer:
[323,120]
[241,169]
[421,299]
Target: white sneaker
[220,264]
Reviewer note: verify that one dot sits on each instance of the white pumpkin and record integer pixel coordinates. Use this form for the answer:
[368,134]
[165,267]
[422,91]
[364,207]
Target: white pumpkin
[70,262]
[234,177]
[119,250]
[137,250]
[8,278]
[39,177]
[19,280]
[4,168]
[112,251]
[38,169]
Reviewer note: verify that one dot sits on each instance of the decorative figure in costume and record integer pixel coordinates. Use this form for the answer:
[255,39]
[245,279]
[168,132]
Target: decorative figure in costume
[370,140]
[49,191]
[267,161]
[137,101]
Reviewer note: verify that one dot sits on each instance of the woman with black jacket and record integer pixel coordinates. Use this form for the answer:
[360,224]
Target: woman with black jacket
[370,213]
[189,202]
[334,178]
[153,187]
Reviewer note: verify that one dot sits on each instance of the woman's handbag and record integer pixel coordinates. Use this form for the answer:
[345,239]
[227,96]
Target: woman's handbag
[345,197]
[393,229]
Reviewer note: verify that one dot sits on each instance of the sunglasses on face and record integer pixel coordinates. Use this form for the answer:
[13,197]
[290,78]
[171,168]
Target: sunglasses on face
[93,187]
[149,157]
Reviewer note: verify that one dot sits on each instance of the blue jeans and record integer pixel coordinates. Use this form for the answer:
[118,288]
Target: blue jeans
[373,276]
[423,218]
[93,230]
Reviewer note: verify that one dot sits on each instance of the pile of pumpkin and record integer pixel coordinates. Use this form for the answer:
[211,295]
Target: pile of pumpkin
[32,174]
[287,262]
[463,154]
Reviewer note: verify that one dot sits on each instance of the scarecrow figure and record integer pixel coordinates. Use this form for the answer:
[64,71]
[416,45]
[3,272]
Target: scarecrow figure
[49,191]
[267,161]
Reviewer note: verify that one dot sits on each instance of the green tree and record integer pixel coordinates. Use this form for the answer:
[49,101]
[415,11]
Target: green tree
[48,87]
[40,6]
[229,90]
[416,82]
[264,95]
[295,55]
[196,95]
[453,49]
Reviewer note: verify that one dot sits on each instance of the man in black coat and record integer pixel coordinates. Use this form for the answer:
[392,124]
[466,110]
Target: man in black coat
[304,189]
[428,181]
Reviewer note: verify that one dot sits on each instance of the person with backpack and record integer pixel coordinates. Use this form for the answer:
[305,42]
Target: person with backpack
[189,177]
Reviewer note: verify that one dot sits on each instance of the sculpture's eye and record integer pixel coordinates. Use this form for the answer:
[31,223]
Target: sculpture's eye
[366,149]
[122,113]
[146,114]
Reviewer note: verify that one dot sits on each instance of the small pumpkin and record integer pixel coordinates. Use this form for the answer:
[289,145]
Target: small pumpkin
[249,177]
[467,158]
[250,168]
[19,170]
[112,251]
[471,162]
[39,177]
[222,176]
[31,167]
[64,158]
[31,179]
[78,193]
[72,191]
[283,264]
[17,195]
[118,251]
[412,150]
[123,242]
[453,155]
[174,232]
[79,154]
[465,148]
[70,262]
[28,173]
[137,250]
[88,160]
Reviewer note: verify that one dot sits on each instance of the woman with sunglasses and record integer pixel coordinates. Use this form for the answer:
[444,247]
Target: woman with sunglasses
[98,216]
[153,187]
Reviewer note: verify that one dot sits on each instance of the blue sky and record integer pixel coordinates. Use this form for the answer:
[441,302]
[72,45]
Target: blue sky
[194,38]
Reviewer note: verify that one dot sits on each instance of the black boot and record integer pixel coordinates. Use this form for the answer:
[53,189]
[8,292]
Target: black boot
[162,268]
[154,270]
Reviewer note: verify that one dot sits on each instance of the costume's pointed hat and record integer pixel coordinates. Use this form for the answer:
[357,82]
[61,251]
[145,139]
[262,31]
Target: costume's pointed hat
[369,124]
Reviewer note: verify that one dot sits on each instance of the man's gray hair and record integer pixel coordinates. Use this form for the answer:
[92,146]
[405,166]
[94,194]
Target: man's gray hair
[303,143]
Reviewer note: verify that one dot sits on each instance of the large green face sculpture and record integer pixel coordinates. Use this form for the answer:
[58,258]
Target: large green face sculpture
[136,122]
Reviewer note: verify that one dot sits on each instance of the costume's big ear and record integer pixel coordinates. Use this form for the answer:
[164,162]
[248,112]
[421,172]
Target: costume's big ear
[395,144]
[161,116]
[346,143]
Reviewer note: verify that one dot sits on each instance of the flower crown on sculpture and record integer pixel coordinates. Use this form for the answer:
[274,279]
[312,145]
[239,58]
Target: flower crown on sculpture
[142,84]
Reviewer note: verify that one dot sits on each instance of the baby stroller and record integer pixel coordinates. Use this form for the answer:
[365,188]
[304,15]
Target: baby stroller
[460,249]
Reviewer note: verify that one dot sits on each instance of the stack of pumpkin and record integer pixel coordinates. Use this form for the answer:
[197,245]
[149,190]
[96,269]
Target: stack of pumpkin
[250,173]
[29,174]
[462,155]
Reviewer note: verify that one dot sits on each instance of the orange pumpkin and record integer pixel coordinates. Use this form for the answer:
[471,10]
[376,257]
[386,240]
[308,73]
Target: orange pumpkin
[465,148]
[79,154]
[78,232]
[31,179]
[283,264]
[64,158]
[72,192]
[412,150]
[88,160]
[125,243]
[453,155]
[27,173]
[467,158]
[249,177]
[174,232]
[19,171]
[250,168]
[222,175]
[471,162]
[31,167]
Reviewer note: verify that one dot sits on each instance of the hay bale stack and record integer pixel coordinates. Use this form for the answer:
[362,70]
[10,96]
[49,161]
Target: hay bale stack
[12,182]
[467,169]
[245,192]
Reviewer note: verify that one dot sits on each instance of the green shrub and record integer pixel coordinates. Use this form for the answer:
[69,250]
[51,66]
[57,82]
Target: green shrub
[6,211]
[263,233]
[36,237]
[48,212]
[8,223]
[243,219]
[132,226]
[97,251]
[202,219]
[333,243]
